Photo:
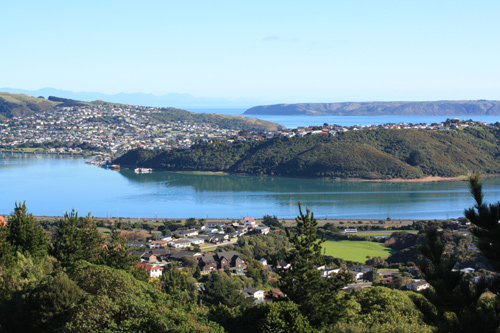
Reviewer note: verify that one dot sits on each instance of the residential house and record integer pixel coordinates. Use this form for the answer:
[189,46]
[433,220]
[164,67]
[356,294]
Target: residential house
[189,233]
[263,230]
[327,272]
[357,276]
[148,257]
[418,285]
[255,293]
[157,244]
[153,271]
[230,259]
[360,268]
[197,241]
[180,243]
[249,222]
[178,255]
[276,293]
[208,264]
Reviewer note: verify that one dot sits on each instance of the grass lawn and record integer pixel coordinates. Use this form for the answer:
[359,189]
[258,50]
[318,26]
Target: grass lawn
[355,250]
[105,231]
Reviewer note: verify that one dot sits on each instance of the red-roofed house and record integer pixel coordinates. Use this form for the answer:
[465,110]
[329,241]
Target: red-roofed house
[249,222]
[154,271]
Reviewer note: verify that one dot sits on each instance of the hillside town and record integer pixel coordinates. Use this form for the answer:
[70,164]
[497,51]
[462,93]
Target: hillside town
[116,129]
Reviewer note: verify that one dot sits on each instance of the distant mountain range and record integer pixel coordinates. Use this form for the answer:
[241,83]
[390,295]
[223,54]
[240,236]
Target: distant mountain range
[437,108]
[167,100]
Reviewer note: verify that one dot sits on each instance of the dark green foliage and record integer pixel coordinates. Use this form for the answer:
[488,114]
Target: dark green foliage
[275,317]
[373,154]
[45,307]
[485,218]
[381,309]
[6,249]
[66,102]
[178,284]
[272,221]
[115,301]
[269,246]
[227,290]
[24,233]
[77,239]
[116,252]
[302,283]
[456,302]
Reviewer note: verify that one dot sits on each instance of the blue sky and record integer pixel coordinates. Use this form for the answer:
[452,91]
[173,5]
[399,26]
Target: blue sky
[276,51]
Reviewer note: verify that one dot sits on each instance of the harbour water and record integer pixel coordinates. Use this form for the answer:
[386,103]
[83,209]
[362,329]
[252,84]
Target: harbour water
[51,185]
[297,121]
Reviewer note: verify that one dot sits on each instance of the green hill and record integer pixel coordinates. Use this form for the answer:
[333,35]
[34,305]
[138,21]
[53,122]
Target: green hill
[15,105]
[369,154]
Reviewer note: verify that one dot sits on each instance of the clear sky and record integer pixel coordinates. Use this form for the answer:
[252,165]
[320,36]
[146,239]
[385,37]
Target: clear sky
[280,51]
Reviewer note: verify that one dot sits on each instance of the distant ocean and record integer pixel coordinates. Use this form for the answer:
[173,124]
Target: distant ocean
[297,121]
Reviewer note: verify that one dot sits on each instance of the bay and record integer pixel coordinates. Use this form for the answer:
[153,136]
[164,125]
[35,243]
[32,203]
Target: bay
[51,185]
[298,121]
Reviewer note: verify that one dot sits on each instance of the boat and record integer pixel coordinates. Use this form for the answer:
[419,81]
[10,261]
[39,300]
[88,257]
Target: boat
[143,170]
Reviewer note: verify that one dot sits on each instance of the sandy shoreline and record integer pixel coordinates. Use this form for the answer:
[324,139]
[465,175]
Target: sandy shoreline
[419,180]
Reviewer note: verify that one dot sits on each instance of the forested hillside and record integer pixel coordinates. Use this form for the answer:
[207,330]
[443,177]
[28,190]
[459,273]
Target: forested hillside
[369,154]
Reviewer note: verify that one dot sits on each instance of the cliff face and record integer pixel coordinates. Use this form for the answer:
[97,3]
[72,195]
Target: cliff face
[446,108]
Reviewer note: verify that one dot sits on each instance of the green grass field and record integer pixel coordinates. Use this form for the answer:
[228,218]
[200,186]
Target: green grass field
[355,250]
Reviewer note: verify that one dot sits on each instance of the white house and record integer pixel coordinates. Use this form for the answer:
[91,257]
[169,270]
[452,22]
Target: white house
[418,285]
[250,222]
[357,275]
[153,271]
[180,243]
[329,271]
[255,293]
[197,241]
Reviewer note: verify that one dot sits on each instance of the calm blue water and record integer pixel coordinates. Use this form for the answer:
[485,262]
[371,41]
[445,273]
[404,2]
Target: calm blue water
[297,121]
[52,185]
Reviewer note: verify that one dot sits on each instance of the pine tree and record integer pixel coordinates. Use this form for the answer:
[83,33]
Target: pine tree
[485,218]
[116,253]
[24,234]
[77,239]
[302,283]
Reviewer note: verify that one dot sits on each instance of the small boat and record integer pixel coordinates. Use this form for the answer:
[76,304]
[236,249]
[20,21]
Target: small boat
[143,170]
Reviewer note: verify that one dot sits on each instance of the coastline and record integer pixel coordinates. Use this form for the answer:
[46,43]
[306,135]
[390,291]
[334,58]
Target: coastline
[426,179]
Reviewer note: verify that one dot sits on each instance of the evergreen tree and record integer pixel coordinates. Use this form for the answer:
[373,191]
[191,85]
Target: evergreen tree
[302,283]
[6,249]
[458,304]
[24,234]
[178,284]
[116,252]
[77,239]
[223,289]
[485,218]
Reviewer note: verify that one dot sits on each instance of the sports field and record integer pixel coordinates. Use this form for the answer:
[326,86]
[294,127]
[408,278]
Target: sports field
[355,250]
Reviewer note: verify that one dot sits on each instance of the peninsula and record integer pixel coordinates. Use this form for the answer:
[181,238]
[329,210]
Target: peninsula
[450,149]
[437,108]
